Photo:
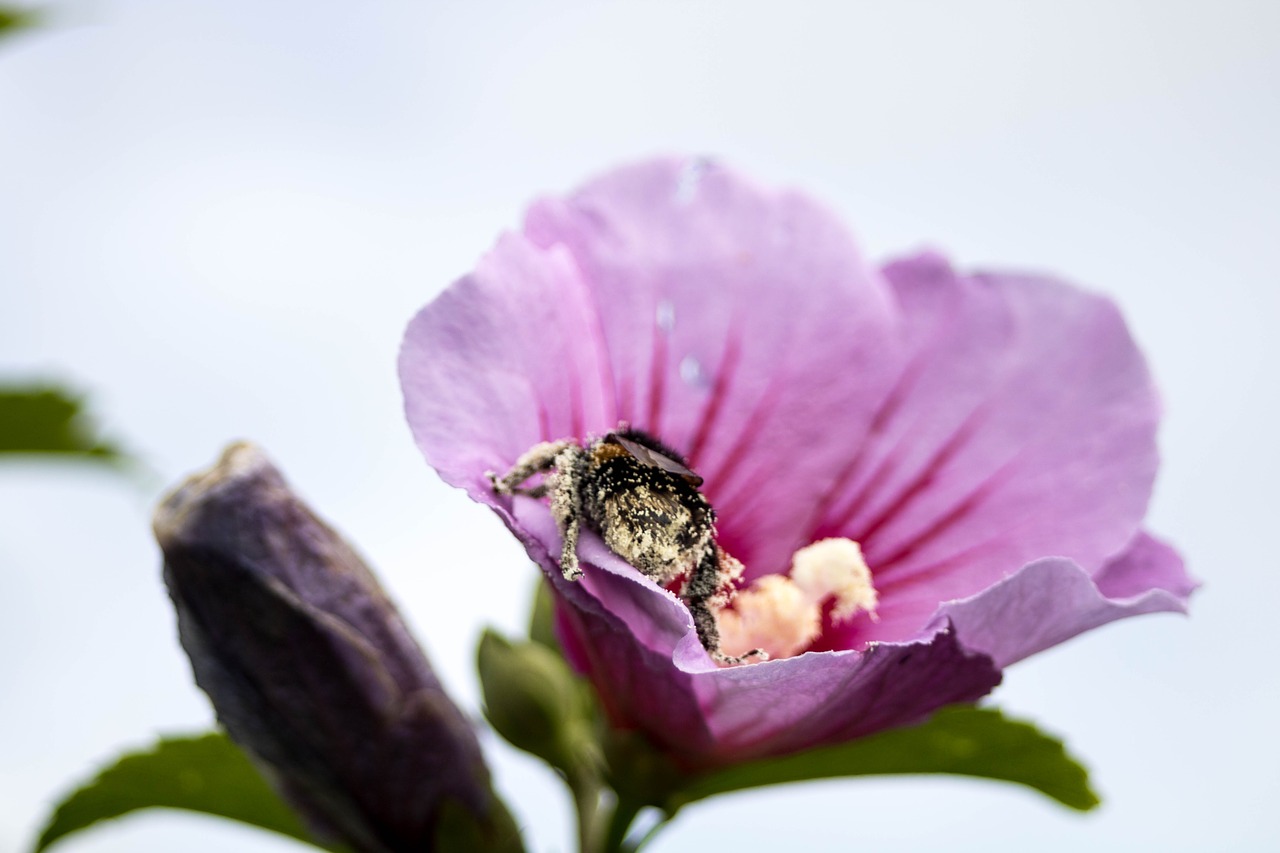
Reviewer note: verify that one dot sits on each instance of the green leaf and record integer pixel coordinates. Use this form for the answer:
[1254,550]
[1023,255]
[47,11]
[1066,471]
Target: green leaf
[46,419]
[960,740]
[207,774]
[13,19]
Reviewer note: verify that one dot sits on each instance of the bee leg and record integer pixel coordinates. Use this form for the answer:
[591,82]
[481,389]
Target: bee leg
[705,585]
[539,458]
[565,487]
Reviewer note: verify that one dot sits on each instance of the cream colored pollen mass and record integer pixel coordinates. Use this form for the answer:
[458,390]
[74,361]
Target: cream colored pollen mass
[835,567]
[783,615]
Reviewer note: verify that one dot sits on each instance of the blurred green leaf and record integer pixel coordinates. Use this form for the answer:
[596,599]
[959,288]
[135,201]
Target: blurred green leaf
[960,740]
[45,419]
[13,19]
[207,774]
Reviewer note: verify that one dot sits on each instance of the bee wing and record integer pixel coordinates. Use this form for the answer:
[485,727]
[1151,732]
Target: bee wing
[655,459]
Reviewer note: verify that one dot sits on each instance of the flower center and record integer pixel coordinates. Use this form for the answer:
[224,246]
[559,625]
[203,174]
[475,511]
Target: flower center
[783,614]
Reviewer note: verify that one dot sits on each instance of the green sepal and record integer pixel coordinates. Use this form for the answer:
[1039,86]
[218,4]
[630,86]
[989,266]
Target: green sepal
[537,704]
[206,773]
[641,774]
[542,617]
[960,740]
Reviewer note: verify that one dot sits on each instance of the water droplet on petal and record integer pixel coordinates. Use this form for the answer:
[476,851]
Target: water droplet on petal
[665,316]
[691,372]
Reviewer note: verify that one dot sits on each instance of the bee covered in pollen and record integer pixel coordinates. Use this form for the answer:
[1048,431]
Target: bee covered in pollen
[642,499]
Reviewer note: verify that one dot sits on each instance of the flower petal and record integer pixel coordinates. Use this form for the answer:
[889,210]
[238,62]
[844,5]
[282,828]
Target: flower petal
[1022,426]
[819,698]
[1054,599]
[1147,564]
[503,359]
[713,717]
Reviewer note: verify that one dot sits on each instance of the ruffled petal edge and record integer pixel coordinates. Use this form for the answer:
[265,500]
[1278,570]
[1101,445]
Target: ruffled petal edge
[1051,600]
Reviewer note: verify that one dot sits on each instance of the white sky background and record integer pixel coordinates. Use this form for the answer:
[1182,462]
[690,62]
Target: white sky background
[218,217]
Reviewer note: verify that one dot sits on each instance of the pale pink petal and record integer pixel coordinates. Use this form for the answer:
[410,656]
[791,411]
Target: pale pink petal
[504,359]
[1023,426]
[1145,565]
[1054,599]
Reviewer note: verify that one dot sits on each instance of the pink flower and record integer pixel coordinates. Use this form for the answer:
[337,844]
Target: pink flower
[988,440]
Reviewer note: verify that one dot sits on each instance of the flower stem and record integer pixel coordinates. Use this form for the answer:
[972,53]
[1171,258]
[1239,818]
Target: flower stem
[623,815]
[586,800]
[643,840]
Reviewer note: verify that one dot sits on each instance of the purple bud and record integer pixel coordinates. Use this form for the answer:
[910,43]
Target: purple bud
[311,669]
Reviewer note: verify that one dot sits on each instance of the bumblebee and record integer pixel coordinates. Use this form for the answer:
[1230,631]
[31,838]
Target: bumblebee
[643,500]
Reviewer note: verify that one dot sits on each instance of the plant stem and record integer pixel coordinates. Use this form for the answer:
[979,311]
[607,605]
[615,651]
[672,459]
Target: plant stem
[623,814]
[586,800]
[648,836]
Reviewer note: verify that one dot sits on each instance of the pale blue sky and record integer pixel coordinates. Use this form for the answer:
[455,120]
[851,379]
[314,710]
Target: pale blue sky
[219,216]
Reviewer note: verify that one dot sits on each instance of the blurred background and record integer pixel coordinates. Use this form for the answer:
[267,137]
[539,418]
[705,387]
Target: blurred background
[217,217]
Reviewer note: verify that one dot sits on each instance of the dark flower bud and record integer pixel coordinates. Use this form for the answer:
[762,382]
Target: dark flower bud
[313,672]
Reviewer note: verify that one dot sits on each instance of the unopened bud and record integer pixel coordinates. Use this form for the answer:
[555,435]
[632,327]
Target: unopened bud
[313,672]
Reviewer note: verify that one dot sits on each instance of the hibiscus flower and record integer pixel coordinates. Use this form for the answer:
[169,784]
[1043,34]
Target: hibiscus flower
[926,475]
